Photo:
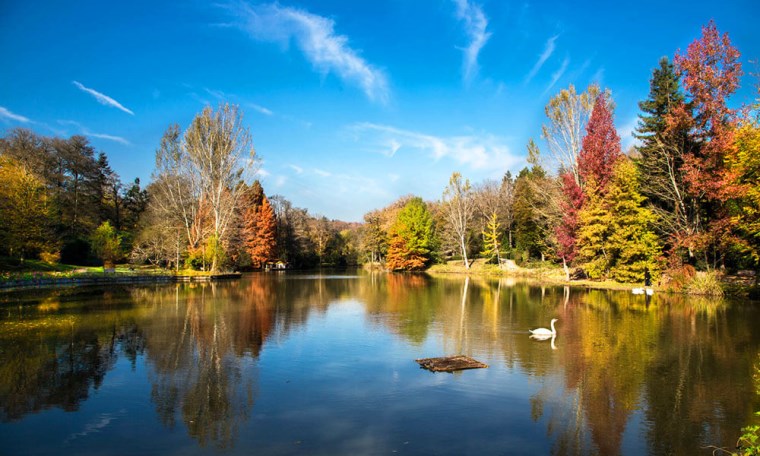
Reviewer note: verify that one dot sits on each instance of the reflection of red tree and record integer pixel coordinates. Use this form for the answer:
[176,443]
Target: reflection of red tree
[256,316]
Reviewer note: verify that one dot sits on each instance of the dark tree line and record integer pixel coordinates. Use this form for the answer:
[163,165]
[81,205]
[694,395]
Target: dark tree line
[56,192]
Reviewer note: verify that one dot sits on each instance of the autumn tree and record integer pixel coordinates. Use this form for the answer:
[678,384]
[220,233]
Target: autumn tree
[260,233]
[458,209]
[601,146]
[710,70]
[23,210]
[746,165]
[633,241]
[492,238]
[411,239]
[616,237]
[599,152]
[566,230]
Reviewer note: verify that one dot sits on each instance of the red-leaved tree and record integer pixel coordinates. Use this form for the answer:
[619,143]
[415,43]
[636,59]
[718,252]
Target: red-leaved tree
[601,146]
[596,161]
[710,69]
[570,205]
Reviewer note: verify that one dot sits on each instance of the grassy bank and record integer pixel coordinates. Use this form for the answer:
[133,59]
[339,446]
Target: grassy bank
[35,273]
[554,274]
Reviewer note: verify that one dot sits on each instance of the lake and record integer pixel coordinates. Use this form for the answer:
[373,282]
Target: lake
[288,363]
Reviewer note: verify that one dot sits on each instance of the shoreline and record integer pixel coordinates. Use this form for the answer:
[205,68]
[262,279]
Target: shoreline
[110,279]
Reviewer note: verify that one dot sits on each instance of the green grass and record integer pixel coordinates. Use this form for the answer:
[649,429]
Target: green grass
[12,270]
[14,265]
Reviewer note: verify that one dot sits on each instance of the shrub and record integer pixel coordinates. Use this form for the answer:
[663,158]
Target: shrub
[677,277]
[50,257]
[705,283]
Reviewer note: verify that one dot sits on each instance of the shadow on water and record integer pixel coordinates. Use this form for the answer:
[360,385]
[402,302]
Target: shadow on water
[625,374]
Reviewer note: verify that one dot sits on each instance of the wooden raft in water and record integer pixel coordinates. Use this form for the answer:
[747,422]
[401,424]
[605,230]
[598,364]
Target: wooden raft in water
[450,363]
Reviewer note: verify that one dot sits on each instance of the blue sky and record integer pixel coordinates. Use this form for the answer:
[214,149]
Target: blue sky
[351,104]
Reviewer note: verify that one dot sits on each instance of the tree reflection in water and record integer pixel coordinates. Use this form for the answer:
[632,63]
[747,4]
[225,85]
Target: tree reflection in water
[679,366]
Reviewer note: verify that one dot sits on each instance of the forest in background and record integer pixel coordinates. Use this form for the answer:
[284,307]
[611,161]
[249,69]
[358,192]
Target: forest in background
[685,199]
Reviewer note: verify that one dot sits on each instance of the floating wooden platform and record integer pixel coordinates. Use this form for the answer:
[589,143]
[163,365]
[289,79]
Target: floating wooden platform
[450,363]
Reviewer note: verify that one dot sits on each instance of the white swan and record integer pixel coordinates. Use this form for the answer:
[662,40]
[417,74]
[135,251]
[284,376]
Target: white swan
[543,332]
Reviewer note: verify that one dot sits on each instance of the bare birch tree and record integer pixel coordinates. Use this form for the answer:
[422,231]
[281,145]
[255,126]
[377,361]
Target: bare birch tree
[494,197]
[220,151]
[203,172]
[568,112]
[176,187]
[458,208]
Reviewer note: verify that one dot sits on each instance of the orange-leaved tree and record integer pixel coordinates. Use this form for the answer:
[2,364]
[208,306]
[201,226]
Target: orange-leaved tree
[260,233]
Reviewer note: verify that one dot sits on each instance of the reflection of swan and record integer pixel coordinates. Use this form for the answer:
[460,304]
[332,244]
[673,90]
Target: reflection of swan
[543,332]
[546,337]
[639,291]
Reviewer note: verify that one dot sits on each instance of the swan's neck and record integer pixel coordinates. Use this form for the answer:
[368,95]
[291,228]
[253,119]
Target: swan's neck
[554,331]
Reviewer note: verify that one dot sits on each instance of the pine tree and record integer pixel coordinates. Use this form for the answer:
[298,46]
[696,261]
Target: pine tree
[664,141]
[664,94]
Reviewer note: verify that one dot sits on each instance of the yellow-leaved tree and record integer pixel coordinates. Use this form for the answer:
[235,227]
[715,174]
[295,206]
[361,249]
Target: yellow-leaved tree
[616,238]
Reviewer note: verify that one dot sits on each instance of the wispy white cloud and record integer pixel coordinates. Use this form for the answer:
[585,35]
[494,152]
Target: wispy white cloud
[475,23]
[102,98]
[557,74]
[296,168]
[85,131]
[218,94]
[6,114]
[261,172]
[322,172]
[315,36]
[261,109]
[476,151]
[548,51]
[113,138]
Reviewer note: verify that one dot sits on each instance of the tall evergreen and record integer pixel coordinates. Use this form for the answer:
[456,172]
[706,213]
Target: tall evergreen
[664,94]
[665,139]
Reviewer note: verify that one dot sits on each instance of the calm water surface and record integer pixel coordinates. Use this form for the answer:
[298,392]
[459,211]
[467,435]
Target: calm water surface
[324,364]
